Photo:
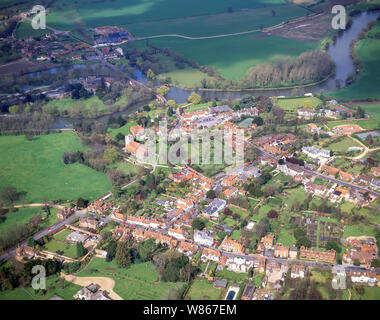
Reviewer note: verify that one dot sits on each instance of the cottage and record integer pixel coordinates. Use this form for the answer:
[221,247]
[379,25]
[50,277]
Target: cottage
[230,245]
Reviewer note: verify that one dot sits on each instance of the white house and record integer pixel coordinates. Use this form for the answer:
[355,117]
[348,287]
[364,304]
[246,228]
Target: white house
[203,238]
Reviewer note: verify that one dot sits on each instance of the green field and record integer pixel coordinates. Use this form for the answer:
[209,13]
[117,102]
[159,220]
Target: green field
[68,249]
[342,145]
[202,289]
[53,287]
[36,167]
[373,110]
[138,282]
[125,12]
[368,80]
[364,124]
[232,55]
[24,30]
[293,104]
[23,215]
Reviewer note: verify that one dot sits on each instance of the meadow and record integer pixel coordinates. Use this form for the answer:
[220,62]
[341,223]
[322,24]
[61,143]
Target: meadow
[23,215]
[293,104]
[36,167]
[342,145]
[202,289]
[364,124]
[138,282]
[24,30]
[232,56]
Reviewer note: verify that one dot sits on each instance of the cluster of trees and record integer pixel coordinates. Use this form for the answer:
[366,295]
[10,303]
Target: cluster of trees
[309,67]
[32,124]
[301,238]
[18,274]
[172,266]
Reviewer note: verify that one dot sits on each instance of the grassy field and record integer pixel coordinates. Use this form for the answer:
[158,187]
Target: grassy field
[125,129]
[24,30]
[342,145]
[138,282]
[293,104]
[373,110]
[364,124]
[232,56]
[69,250]
[53,287]
[202,289]
[121,12]
[23,215]
[36,167]
[367,82]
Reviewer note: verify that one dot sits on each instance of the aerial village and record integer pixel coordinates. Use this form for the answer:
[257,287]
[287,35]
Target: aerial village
[252,231]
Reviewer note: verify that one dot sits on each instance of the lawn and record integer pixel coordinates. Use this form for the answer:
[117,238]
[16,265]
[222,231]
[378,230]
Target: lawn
[293,104]
[367,82]
[23,215]
[364,124]
[53,287]
[24,30]
[202,289]
[358,230]
[125,129]
[138,282]
[341,145]
[36,167]
[68,249]
[231,275]
[373,110]
[61,236]
[369,294]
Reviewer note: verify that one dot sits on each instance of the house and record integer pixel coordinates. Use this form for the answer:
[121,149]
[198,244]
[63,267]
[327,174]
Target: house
[316,153]
[230,192]
[364,258]
[290,169]
[215,207]
[203,238]
[177,233]
[210,254]
[363,179]
[298,271]
[328,256]
[230,245]
[185,203]
[76,237]
[91,292]
[375,171]
[237,264]
[359,276]
[345,176]
[220,283]
[266,243]
[187,248]
[375,184]
[347,129]
[306,113]
[248,292]
[90,223]
[316,189]
[281,251]
[259,262]
[64,213]
[330,170]
[135,148]
[229,181]
[313,128]
[136,130]
[293,252]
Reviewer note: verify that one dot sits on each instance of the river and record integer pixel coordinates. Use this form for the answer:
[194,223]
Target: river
[339,52]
